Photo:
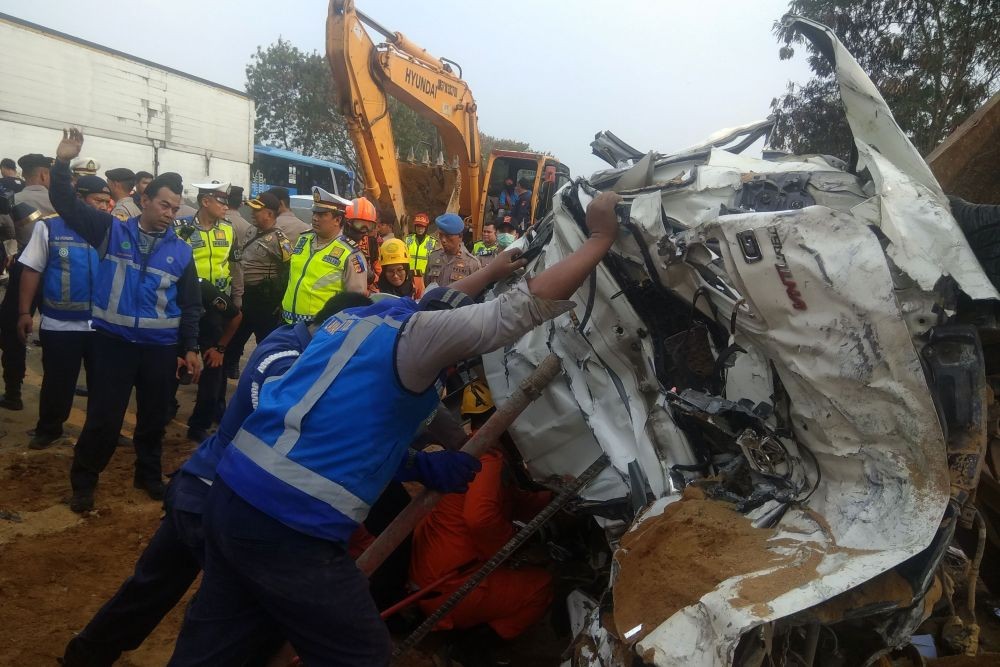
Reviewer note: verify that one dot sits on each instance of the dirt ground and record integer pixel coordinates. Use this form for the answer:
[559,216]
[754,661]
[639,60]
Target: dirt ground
[57,569]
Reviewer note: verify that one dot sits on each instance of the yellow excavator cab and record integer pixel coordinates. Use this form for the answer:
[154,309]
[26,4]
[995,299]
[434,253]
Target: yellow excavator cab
[545,172]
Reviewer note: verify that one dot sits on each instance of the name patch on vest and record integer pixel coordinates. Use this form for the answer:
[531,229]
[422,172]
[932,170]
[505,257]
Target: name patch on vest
[330,259]
[336,325]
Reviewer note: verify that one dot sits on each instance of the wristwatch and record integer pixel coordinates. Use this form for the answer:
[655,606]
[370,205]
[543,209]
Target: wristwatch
[221,349]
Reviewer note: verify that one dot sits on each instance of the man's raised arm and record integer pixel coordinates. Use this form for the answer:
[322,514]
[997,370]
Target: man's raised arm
[88,222]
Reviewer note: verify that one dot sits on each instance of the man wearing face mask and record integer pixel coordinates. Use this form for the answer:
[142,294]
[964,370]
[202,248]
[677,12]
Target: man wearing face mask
[452,261]
[146,308]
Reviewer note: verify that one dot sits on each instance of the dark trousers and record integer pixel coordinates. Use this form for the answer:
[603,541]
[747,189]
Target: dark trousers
[260,317]
[211,400]
[62,354]
[13,353]
[163,573]
[259,573]
[118,367]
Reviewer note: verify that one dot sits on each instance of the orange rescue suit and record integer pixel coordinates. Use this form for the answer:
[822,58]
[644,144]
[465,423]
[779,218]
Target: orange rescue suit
[463,532]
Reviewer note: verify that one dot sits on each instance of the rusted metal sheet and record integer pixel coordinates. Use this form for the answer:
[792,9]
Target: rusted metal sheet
[966,162]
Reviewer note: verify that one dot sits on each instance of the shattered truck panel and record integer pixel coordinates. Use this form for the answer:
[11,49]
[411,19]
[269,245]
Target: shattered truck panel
[754,357]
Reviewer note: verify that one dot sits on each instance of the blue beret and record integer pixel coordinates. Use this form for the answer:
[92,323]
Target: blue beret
[450,223]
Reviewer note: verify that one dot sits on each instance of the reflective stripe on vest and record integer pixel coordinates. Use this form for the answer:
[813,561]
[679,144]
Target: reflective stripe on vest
[314,277]
[273,459]
[211,250]
[419,253]
[480,249]
[111,312]
[69,275]
[135,296]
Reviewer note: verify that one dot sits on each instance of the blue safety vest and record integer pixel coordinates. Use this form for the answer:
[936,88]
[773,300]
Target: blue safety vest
[70,273]
[135,297]
[318,450]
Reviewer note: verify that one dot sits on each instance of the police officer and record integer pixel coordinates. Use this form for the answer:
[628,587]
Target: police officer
[488,248]
[288,222]
[324,262]
[212,238]
[452,261]
[35,169]
[294,483]
[146,309]
[264,256]
[122,182]
[243,231]
[420,245]
[64,265]
[219,322]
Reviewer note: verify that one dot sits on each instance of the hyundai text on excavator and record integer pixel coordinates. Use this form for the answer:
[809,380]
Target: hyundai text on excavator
[365,74]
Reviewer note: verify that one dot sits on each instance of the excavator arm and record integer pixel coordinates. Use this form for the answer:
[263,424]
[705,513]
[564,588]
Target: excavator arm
[365,74]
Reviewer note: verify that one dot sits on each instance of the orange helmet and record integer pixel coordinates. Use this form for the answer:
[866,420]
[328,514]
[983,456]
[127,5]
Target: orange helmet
[421,219]
[362,209]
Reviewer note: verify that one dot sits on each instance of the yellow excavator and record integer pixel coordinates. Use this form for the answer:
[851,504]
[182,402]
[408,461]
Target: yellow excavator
[365,74]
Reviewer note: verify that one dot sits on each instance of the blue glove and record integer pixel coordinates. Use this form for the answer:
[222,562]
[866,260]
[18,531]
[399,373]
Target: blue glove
[446,471]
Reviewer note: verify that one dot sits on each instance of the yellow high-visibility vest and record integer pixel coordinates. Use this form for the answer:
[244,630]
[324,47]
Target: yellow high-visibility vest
[315,277]
[211,250]
[420,253]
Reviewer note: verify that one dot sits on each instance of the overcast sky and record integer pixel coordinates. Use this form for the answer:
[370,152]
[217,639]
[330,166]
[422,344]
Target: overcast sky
[661,74]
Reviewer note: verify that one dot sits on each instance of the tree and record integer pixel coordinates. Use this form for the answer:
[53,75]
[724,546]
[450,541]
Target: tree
[934,61]
[293,93]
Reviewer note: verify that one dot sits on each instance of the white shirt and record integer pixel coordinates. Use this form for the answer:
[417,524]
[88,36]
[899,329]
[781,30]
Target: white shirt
[36,256]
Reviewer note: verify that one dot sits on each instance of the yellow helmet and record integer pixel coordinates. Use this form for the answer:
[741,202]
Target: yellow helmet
[477,398]
[393,251]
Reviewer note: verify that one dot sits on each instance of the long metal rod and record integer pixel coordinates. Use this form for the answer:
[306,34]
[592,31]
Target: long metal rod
[565,495]
[394,534]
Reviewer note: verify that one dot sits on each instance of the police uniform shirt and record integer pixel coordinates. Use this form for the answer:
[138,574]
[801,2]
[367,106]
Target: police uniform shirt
[263,255]
[37,196]
[355,271]
[292,227]
[244,230]
[126,208]
[444,269]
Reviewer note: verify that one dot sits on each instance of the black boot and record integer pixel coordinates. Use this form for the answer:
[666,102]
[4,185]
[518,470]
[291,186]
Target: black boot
[154,487]
[12,398]
[82,501]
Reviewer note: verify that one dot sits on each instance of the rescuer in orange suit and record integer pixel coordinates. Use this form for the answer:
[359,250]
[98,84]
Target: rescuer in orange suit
[465,530]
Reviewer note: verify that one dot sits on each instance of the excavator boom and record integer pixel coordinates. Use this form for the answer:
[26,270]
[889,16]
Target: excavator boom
[365,74]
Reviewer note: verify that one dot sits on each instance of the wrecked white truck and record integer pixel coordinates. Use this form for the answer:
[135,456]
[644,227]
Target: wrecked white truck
[781,360]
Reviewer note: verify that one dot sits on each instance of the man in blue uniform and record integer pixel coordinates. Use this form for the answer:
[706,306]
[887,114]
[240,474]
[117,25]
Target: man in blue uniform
[63,267]
[305,467]
[175,554]
[146,310]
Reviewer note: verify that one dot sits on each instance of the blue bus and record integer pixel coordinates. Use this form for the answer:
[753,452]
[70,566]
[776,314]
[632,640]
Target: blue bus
[299,173]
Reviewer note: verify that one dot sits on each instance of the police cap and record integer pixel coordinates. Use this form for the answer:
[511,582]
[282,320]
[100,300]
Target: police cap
[264,200]
[85,166]
[327,201]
